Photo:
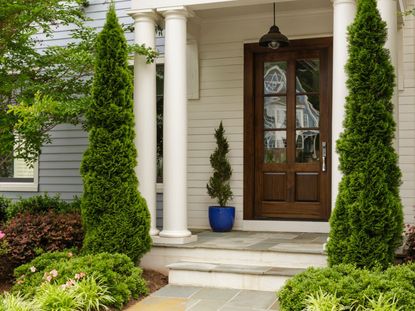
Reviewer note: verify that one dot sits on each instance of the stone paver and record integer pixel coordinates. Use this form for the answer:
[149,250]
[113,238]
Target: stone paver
[190,298]
[260,241]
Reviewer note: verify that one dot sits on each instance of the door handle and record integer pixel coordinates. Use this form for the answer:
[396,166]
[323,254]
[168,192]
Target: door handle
[324,156]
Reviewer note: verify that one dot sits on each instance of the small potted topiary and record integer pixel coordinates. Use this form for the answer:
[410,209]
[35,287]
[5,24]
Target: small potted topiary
[221,217]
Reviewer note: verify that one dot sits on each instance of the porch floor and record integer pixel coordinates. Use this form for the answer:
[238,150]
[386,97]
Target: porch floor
[297,242]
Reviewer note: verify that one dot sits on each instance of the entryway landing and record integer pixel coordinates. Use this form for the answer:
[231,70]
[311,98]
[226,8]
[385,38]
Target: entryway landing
[297,242]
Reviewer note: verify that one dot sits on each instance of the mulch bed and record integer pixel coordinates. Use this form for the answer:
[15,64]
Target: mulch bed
[155,281]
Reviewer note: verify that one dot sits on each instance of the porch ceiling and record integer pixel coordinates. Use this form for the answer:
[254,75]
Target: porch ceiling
[230,5]
[264,8]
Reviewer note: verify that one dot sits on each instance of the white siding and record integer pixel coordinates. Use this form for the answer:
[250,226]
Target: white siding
[406,123]
[221,44]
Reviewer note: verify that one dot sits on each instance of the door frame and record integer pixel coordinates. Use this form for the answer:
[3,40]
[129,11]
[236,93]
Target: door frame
[250,50]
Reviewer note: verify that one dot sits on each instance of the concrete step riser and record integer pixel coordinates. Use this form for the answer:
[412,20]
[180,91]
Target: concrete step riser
[227,280]
[159,257]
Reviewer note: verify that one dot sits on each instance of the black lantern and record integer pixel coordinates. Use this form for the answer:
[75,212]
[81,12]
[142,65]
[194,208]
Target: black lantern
[274,38]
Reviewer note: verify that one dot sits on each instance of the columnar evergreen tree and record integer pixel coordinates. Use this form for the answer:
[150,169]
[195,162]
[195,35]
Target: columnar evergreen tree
[115,216]
[219,183]
[367,223]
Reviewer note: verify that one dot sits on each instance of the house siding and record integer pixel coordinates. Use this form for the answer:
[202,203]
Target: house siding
[406,123]
[221,44]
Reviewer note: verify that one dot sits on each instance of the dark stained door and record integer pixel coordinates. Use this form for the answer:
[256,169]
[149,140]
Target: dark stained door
[291,101]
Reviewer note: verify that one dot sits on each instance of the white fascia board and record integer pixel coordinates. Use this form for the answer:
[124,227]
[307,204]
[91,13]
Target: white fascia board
[195,4]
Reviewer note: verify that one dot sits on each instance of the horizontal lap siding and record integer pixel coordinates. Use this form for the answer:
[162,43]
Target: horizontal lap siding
[406,124]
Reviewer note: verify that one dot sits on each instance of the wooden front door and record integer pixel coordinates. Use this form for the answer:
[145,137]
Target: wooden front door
[287,136]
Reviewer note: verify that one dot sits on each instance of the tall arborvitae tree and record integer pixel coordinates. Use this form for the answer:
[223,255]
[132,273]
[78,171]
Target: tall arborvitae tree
[367,223]
[115,216]
[219,186]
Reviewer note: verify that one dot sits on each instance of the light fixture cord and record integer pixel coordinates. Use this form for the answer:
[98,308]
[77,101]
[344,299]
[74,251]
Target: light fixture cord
[274,13]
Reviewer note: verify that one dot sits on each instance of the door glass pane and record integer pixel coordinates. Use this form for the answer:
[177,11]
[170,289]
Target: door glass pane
[275,144]
[307,146]
[275,109]
[308,75]
[307,111]
[275,78]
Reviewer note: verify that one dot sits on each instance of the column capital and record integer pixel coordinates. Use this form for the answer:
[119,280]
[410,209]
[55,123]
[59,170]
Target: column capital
[144,15]
[176,11]
[336,2]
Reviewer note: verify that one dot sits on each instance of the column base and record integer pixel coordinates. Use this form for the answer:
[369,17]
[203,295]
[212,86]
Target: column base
[158,240]
[154,231]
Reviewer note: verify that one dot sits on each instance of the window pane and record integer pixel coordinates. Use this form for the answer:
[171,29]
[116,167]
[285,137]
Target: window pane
[275,78]
[307,111]
[308,75]
[307,146]
[275,112]
[16,170]
[160,98]
[275,143]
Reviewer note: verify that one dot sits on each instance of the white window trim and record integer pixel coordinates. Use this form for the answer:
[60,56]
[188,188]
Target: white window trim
[23,186]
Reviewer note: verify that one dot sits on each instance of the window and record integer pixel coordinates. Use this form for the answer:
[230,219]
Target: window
[16,175]
[160,98]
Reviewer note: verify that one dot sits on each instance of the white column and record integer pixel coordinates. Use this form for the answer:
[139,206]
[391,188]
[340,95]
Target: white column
[145,112]
[344,12]
[389,13]
[175,128]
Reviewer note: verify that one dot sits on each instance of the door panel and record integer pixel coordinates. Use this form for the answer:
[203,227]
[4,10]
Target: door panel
[291,108]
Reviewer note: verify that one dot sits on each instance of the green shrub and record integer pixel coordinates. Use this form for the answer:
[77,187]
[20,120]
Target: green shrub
[352,286]
[219,186]
[4,205]
[115,216]
[41,204]
[367,222]
[116,272]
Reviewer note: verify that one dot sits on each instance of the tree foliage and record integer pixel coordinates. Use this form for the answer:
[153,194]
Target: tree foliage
[56,74]
[219,187]
[41,85]
[115,216]
[367,223]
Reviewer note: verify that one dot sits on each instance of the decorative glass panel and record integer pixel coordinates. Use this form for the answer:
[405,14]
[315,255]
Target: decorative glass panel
[275,112]
[307,111]
[307,146]
[275,78]
[308,75]
[275,144]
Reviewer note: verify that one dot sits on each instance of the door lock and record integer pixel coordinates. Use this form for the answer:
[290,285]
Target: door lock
[324,156]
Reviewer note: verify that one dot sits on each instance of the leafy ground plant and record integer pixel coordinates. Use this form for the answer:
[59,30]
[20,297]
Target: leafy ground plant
[322,301]
[117,276]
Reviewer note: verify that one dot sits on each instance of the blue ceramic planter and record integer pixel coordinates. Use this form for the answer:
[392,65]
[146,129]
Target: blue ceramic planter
[221,219]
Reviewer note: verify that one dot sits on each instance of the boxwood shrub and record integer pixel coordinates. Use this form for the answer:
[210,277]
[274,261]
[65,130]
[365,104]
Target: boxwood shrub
[41,204]
[116,271]
[351,285]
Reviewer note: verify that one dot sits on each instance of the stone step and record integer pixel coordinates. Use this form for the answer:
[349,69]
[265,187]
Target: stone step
[161,256]
[248,277]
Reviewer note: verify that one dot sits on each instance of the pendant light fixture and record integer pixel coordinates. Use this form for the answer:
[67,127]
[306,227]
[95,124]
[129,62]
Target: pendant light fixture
[274,39]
